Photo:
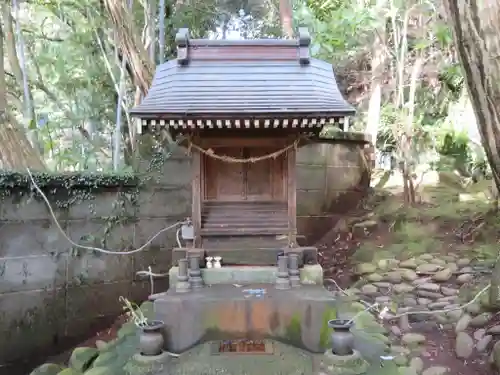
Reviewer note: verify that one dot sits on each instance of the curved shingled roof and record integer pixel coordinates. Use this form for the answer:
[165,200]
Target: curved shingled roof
[243,78]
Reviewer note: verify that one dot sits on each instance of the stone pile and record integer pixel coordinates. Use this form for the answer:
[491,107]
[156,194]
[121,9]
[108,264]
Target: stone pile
[427,289]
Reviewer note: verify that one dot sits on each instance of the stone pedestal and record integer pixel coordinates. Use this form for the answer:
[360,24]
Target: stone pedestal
[224,312]
[332,364]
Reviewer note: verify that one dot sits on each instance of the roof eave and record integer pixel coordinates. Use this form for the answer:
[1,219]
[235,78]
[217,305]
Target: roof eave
[148,114]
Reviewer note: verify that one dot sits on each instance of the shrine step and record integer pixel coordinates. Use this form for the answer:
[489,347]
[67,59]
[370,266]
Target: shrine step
[244,275]
[246,255]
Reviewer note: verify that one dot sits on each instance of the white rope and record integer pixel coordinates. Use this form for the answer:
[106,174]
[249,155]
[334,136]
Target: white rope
[92,248]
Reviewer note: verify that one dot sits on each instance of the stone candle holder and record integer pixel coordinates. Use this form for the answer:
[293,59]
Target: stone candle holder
[182,285]
[293,270]
[195,273]
[282,279]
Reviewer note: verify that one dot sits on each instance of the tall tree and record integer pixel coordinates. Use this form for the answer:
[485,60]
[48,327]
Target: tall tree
[16,152]
[476,30]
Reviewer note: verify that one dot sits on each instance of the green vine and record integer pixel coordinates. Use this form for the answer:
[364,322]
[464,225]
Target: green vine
[64,190]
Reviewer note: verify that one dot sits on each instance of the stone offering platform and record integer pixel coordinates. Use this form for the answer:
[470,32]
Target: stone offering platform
[297,316]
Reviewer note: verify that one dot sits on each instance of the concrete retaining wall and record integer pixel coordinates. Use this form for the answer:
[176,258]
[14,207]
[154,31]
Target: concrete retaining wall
[49,292]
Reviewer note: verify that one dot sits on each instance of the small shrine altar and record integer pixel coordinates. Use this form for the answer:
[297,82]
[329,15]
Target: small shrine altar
[242,109]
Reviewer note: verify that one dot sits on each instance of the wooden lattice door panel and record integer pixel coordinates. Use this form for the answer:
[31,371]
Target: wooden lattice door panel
[263,180]
[224,181]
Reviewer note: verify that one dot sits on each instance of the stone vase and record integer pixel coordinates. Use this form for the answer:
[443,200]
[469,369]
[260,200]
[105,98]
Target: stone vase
[151,338]
[341,338]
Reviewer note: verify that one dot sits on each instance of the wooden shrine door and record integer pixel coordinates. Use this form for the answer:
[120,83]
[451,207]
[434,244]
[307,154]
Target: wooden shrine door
[251,181]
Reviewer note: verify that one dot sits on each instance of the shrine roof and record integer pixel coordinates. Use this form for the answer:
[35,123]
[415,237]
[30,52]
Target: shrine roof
[221,79]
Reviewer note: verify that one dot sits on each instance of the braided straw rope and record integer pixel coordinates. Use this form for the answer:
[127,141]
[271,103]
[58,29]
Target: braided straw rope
[229,159]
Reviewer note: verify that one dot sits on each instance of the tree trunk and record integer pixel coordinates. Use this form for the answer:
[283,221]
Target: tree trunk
[16,57]
[286,17]
[476,30]
[378,67]
[16,152]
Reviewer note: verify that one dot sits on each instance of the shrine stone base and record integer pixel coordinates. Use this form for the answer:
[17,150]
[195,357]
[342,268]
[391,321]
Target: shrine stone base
[295,316]
[332,364]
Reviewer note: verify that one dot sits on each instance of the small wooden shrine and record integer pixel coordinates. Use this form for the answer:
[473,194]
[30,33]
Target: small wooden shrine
[244,107]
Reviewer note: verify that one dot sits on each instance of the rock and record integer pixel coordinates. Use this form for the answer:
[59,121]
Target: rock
[463,262]
[479,334]
[473,308]
[69,371]
[403,288]
[82,358]
[412,339]
[382,284]
[437,305]
[449,291]
[365,268]
[466,270]
[495,330]
[464,345]
[495,355]
[452,266]
[484,301]
[401,360]
[427,294]
[426,257]
[104,359]
[483,343]
[396,331]
[409,275]
[436,370]
[481,320]
[386,264]
[418,364]
[409,301]
[439,262]
[422,280]
[441,318]
[430,287]
[406,370]
[394,277]
[404,323]
[409,263]
[47,369]
[364,228]
[428,268]
[101,370]
[448,258]
[383,299]
[101,345]
[443,275]
[423,301]
[463,323]
[449,299]
[400,350]
[369,289]
[465,278]
[454,315]
[373,277]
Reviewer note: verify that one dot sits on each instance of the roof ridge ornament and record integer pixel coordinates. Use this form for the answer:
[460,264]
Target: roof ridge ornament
[182,41]
[304,43]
